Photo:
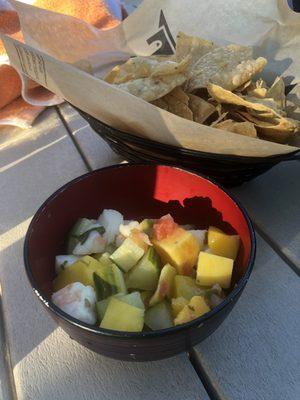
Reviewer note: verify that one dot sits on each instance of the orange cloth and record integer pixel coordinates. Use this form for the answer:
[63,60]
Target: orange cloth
[13,109]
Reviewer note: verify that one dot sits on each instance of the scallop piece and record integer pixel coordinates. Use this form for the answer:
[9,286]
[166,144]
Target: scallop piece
[126,228]
[94,243]
[111,221]
[200,235]
[64,261]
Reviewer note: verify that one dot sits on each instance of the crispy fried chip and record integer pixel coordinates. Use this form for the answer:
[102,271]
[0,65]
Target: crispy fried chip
[277,92]
[219,119]
[150,89]
[176,102]
[227,97]
[280,130]
[243,87]
[228,66]
[268,102]
[144,67]
[201,109]
[161,57]
[258,89]
[283,132]
[242,128]
[191,45]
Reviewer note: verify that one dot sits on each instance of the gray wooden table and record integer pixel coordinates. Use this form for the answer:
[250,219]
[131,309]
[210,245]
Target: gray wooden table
[254,355]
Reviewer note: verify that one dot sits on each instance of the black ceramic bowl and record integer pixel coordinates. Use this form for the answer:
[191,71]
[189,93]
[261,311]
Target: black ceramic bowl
[227,170]
[137,191]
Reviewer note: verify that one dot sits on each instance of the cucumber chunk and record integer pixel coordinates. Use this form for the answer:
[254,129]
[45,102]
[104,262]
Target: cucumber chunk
[147,226]
[118,276]
[145,274]
[127,255]
[159,316]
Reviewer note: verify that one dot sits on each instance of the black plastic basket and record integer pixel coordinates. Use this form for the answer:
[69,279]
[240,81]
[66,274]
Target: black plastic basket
[228,170]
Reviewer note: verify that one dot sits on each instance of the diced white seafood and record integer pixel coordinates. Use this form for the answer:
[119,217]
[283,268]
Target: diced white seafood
[200,235]
[78,301]
[111,221]
[64,261]
[95,243]
[128,226]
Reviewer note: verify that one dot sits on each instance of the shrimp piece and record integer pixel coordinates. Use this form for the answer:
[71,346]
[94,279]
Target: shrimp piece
[77,300]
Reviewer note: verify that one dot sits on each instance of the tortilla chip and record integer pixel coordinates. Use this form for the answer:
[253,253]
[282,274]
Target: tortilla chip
[243,87]
[247,116]
[283,132]
[144,67]
[161,103]
[150,89]
[227,97]
[260,93]
[201,109]
[277,92]
[191,45]
[176,102]
[219,119]
[268,102]
[280,130]
[161,57]
[257,89]
[241,128]
[228,66]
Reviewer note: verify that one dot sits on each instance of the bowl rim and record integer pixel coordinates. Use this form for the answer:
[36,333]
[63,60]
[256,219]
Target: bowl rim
[148,334]
[152,144]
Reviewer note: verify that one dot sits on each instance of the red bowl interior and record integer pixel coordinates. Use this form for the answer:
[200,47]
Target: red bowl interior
[137,191]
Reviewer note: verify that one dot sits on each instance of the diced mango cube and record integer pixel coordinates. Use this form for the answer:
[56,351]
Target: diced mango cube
[81,271]
[178,304]
[121,316]
[222,244]
[196,307]
[180,249]
[214,269]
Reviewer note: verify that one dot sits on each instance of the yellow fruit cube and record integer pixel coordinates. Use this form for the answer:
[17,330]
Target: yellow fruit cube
[81,271]
[121,316]
[178,304]
[222,244]
[180,249]
[214,269]
[196,307]
[186,287]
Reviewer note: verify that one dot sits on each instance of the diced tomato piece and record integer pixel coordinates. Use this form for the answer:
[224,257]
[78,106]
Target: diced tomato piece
[164,227]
